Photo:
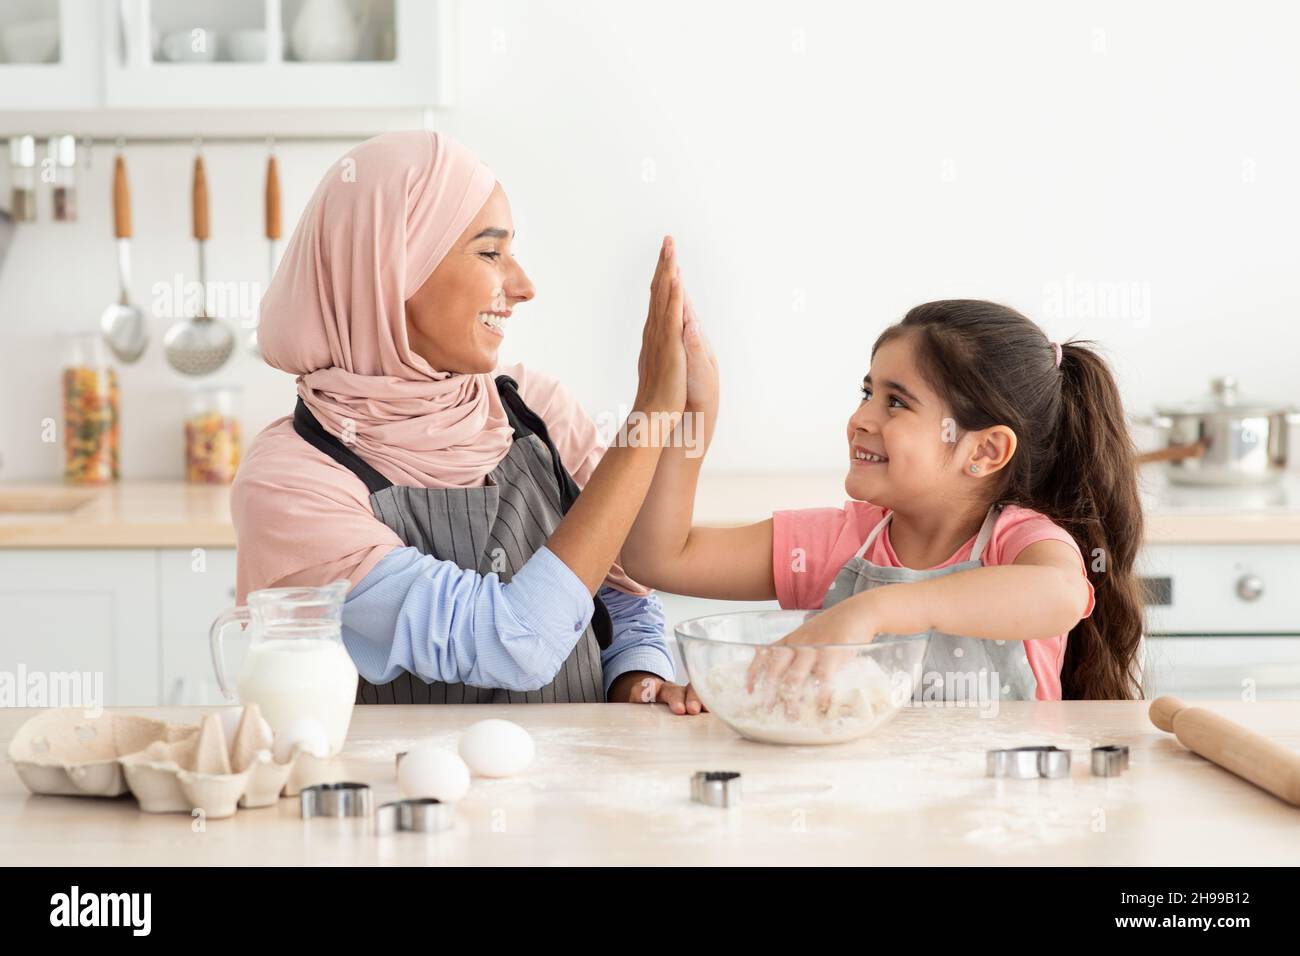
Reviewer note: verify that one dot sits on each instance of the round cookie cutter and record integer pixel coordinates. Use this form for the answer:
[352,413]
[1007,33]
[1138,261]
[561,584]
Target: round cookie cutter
[421,815]
[336,800]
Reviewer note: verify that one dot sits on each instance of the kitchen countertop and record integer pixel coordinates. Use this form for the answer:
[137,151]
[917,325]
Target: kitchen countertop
[174,514]
[127,514]
[610,786]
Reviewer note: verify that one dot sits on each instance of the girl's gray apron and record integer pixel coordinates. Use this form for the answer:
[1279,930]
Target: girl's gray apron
[960,669]
[496,527]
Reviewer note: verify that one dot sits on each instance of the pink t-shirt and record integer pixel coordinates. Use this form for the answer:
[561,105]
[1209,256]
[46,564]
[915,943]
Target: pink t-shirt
[824,539]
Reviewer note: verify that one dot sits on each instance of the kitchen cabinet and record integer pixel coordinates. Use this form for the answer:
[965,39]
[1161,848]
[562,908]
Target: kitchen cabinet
[138,617]
[69,78]
[84,612]
[400,62]
[195,586]
[237,54]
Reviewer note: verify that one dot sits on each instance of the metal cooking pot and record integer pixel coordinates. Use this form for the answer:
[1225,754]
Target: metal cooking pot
[1223,439]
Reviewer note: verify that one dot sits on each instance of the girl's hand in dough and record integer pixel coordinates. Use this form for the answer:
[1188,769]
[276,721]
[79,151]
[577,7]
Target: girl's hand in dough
[811,652]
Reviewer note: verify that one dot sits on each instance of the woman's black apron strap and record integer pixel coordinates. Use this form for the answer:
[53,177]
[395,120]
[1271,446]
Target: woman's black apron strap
[306,425]
[525,421]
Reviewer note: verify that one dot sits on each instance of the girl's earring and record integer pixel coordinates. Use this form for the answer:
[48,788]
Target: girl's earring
[974,469]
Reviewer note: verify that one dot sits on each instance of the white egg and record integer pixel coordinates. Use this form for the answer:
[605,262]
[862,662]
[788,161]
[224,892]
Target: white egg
[308,733]
[432,772]
[497,748]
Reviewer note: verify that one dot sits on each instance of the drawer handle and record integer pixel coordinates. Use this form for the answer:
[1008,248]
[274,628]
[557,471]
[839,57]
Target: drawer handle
[1250,587]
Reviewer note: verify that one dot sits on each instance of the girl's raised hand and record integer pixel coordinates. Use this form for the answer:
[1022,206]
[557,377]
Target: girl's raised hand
[701,364]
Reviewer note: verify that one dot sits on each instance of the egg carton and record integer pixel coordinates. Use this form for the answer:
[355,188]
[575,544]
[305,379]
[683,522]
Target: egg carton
[169,768]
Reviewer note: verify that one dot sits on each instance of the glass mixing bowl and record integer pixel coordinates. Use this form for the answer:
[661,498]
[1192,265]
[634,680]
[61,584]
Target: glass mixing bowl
[796,694]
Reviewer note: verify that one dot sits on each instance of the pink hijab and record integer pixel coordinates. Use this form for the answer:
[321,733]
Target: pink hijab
[334,315]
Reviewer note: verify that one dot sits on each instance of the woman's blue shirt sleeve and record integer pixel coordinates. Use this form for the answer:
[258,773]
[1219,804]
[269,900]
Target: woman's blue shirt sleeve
[416,613]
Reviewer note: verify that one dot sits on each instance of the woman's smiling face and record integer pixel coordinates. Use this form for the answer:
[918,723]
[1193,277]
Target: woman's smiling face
[902,421]
[455,320]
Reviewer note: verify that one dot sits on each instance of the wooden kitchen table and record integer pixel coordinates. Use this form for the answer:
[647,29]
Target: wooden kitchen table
[611,786]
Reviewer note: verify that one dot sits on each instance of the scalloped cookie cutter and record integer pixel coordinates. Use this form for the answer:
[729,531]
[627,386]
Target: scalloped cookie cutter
[716,788]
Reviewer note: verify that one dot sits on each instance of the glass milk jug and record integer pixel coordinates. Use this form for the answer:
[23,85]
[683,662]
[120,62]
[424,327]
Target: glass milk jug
[296,666]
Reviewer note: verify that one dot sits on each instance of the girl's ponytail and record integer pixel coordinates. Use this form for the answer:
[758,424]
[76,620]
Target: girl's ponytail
[1090,489]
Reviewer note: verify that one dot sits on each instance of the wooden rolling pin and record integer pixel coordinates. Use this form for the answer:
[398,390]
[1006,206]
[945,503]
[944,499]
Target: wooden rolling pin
[1249,755]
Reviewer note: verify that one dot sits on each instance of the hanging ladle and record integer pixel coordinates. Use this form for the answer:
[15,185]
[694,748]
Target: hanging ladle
[203,344]
[122,323]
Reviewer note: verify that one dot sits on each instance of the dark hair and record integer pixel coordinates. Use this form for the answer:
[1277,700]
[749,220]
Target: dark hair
[1074,460]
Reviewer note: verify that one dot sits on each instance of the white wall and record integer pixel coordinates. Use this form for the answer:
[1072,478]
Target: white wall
[823,166]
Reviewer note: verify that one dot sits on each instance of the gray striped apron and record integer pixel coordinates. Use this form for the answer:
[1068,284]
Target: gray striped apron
[956,668]
[492,528]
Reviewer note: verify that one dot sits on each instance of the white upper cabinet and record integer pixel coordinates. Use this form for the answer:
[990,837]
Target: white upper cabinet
[225,54]
[50,55]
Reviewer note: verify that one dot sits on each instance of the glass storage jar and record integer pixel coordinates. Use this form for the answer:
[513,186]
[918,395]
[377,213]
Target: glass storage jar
[212,435]
[90,413]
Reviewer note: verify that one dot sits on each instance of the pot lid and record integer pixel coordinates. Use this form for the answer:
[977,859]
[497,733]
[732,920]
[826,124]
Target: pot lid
[1225,398]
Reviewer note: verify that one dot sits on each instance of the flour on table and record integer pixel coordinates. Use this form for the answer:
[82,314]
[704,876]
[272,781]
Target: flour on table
[861,698]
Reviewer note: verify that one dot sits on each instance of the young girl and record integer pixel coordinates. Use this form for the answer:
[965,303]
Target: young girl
[994,505]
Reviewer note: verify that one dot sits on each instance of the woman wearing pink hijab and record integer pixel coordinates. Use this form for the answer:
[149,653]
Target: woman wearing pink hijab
[444,489]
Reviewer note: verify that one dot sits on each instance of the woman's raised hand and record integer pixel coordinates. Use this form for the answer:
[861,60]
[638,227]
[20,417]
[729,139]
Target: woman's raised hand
[661,368]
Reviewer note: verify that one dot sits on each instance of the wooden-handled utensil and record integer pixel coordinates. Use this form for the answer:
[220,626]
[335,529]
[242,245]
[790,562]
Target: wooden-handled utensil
[199,200]
[200,345]
[122,323]
[1249,755]
[1174,453]
[272,237]
[121,200]
[272,201]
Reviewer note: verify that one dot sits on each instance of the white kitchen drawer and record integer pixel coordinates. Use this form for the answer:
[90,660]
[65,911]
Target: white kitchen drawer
[194,587]
[1206,585]
[83,611]
[1224,667]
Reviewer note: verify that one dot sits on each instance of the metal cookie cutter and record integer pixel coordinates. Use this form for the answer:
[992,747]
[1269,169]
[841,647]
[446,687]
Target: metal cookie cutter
[336,800]
[716,788]
[1026,763]
[424,815]
[1109,761]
